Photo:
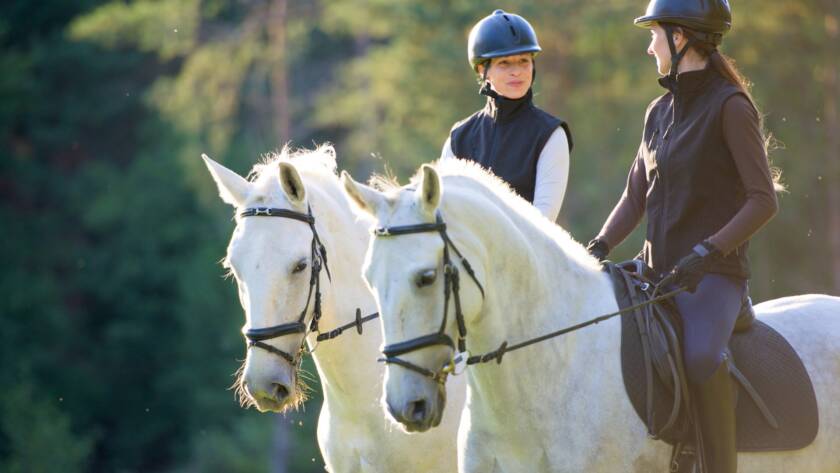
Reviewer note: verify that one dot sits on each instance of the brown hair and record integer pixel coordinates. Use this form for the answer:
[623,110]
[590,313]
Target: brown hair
[725,66]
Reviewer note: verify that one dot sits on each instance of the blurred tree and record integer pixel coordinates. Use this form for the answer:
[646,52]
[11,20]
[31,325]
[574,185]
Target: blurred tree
[119,334]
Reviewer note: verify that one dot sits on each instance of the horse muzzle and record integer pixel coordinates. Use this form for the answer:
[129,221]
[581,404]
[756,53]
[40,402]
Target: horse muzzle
[420,412]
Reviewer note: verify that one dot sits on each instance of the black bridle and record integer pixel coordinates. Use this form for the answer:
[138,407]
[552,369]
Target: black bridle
[451,286]
[257,336]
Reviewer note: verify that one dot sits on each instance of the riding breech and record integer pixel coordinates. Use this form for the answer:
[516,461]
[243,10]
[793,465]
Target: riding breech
[708,317]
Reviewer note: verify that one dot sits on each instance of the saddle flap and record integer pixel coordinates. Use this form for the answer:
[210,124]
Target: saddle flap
[762,356]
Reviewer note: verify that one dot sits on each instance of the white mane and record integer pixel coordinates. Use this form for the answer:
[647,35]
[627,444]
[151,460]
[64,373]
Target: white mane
[473,173]
[318,166]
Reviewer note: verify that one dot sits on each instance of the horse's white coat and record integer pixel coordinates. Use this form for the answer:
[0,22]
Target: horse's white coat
[353,433]
[560,405]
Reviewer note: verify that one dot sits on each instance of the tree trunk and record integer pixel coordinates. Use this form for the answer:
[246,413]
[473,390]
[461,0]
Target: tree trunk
[276,34]
[276,29]
[280,445]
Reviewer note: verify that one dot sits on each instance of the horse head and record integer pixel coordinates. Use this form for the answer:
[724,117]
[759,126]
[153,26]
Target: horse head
[276,264]
[410,269]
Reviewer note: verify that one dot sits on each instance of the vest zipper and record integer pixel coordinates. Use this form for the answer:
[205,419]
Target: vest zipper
[666,182]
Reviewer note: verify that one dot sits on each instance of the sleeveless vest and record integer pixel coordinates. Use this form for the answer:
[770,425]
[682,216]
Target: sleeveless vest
[507,137]
[694,188]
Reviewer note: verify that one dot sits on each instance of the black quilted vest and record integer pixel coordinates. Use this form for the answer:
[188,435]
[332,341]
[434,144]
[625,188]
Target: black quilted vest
[507,137]
[694,188]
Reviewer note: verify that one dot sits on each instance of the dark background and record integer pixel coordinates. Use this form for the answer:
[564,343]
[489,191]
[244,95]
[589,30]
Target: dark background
[119,334]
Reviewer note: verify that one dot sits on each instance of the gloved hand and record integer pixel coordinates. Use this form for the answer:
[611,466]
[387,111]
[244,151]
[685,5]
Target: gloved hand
[690,270]
[598,248]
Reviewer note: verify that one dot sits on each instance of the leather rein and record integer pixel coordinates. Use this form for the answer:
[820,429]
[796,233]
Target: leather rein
[256,336]
[462,358]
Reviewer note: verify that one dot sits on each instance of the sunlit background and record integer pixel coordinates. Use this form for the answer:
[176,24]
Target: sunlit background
[119,335]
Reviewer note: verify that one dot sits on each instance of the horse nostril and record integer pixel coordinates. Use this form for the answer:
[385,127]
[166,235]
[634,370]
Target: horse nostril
[417,410]
[280,391]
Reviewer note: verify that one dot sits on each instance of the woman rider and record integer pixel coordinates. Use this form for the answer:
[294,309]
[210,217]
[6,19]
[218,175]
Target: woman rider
[525,146]
[702,176]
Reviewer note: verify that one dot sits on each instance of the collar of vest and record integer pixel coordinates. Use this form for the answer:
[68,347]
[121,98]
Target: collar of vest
[503,109]
[688,82]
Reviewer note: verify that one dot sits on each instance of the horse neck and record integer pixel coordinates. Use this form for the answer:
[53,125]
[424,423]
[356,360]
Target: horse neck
[536,283]
[344,361]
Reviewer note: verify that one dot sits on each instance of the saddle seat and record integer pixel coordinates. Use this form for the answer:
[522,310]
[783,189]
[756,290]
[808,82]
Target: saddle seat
[776,404]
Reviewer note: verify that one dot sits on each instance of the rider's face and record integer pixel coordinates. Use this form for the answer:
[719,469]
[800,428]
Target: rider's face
[658,47]
[510,76]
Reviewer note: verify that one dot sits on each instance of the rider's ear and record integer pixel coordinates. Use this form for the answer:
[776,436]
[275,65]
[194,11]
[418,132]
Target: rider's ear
[429,190]
[362,197]
[291,183]
[233,189]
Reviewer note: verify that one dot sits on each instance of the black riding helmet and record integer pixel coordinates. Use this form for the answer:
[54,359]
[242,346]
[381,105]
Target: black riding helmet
[711,19]
[500,34]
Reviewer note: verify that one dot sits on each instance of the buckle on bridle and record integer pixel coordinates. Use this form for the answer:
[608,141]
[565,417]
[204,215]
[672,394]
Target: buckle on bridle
[381,231]
[264,211]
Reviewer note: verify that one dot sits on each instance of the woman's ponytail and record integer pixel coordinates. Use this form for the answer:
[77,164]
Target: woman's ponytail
[725,66]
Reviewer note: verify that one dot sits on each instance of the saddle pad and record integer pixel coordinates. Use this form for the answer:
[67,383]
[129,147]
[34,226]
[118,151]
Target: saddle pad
[770,364]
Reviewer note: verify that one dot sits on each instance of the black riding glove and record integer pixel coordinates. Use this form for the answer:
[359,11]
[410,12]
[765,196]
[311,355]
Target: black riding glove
[598,248]
[690,270]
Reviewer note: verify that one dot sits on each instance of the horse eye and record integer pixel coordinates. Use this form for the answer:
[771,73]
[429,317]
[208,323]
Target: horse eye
[425,278]
[299,267]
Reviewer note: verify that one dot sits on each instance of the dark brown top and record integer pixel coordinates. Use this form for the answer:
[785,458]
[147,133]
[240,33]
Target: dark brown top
[742,134]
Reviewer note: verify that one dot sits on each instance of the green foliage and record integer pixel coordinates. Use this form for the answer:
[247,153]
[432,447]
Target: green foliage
[168,28]
[120,335]
[38,434]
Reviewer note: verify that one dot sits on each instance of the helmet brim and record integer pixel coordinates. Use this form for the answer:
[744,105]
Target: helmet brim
[506,52]
[699,24]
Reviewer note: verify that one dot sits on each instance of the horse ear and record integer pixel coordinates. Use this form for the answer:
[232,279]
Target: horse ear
[291,183]
[233,189]
[429,190]
[364,198]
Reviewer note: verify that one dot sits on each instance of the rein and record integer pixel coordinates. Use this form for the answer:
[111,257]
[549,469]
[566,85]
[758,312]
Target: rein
[257,336]
[451,285]
[504,348]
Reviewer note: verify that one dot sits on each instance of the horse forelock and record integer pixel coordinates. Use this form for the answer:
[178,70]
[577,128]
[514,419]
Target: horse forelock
[316,166]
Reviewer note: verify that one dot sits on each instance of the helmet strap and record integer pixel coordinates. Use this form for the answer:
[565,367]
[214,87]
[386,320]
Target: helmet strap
[676,57]
[533,71]
[486,88]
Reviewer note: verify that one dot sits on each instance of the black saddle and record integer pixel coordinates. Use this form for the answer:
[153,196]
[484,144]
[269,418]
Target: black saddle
[777,406]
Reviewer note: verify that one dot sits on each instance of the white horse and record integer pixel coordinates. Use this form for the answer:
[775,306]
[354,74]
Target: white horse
[559,405]
[269,259]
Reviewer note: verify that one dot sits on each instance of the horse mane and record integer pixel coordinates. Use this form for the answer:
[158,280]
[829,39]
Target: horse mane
[317,166]
[480,179]
[319,163]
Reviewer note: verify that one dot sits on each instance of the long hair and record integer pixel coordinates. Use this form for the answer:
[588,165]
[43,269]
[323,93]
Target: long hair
[725,66]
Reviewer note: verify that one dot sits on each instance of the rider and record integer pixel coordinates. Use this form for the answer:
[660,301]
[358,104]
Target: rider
[702,176]
[525,146]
